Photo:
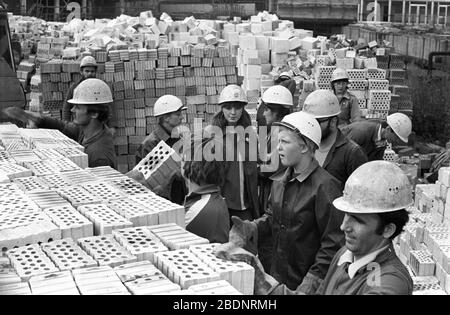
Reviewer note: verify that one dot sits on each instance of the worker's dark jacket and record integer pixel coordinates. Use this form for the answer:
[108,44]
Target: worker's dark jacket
[152,140]
[208,214]
[99,148]
[344,157]
[176,190]
[386,275]
[67,107]
[365,133]
[350,111]
[304,224]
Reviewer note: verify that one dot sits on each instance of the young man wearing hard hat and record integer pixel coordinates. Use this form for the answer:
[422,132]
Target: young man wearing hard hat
[168,110]
[88,70]
[240,187]
[277,102]
[338,155]
[90,101]
[373,136]
[350,111]
[301,216]
[375,199]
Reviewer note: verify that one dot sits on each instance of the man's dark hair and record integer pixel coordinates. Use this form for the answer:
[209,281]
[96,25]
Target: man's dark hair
[101,109]
[202,172]
[399,218]
[280,111]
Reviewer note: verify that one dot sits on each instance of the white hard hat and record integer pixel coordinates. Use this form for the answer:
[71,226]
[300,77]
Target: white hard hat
[286,74]
[339,74]
[92,92]
[167,104]
[232,93]
[322,104]
[401,125]
[303,123]
[278,94]
[88,61]
[375,187]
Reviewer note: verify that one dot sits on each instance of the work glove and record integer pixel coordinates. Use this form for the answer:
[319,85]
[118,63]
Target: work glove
[243,234]
[310,284]
[264,284]
[31,119]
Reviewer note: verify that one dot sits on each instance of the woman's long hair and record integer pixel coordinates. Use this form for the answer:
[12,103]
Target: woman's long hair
[220,121]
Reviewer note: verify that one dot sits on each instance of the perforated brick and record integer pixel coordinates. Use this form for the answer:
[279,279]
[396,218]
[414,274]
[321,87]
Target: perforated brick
[78,157]
[379,95]
[58,283]
[378,105]
[98,281]
[55,181]
[378,85]
[106,173]
[376,74]
[14,171]
[168,212]
[185,269]
[240,275]
[78,196]
[48,154]
[359,85]
[421,263]
[175,237]
[105,219]
[103,190]
[140,242]
[30,261]
[64,165]
[30,183]
[220,287]
[138,214]
[23,157]
[46,198]
[130,187]
[79,177]
[357,74]
[67,255]
[15,206]
[15,289]
[71,223]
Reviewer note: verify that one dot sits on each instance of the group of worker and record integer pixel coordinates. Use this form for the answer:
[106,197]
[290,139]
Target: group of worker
[293,220]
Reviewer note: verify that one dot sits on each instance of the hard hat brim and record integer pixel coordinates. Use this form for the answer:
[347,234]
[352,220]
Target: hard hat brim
[343,205]
[326,116]
[340,79]
[170,112]
[240,102]
[73,101]
[405,140]
[286,125]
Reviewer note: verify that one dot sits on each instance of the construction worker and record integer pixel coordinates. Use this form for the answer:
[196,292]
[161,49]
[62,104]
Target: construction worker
[350,111]
[88,70]
[374,202]
[285,79]
[300,215]
[277,103]
[336,154]
[373,136]
[90,101]
[206,209]
[168,110]
[240,187]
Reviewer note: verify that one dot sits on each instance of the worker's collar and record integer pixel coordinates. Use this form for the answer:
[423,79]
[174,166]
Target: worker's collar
[95,136]
[201,191]
[355,266]
[285,174]
[162,133]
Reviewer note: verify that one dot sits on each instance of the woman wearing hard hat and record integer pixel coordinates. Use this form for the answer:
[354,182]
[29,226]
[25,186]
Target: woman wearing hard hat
[276,102]
[168,110]
[206,209]
[300,215]
[88,70]
[90,110]
[336,154]
[373,136]
[241,173]
[350,111]
[375,200]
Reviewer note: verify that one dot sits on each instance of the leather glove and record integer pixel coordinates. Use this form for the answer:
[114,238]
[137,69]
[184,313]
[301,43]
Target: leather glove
[243,234]
[264,284]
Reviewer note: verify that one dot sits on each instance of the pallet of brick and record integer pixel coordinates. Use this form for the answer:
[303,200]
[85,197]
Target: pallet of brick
[428,289]
[17,205]
[168,212]
[71,223]
[138,214]
[103,190]
[78,157]
[55,181]
[13,170]
[30,183]
[184,268]
[79,177]
[21,288]
[175,237]
[98,281]
[145,279]
[240,275]
[46,198]
[41,168]
[67,255]
[106,251]
[106,173]
[105,219]
[30,261]
[140,242]
[159,165]
[421,263]
[78,196]
[58,283]
[23,229]
[220,287]
[11,191]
